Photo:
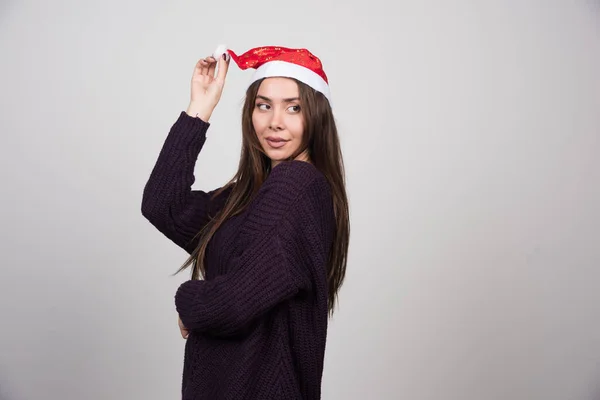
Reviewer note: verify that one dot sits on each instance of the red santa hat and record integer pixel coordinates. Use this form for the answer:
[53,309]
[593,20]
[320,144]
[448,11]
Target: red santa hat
[276,61]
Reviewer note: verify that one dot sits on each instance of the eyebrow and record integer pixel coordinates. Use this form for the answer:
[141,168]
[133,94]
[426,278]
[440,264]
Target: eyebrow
[284,100]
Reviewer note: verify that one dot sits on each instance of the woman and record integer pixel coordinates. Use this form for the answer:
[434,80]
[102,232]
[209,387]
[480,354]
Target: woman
[270,245]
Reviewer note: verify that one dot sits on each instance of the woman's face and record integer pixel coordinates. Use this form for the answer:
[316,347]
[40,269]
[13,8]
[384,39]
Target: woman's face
[277,119]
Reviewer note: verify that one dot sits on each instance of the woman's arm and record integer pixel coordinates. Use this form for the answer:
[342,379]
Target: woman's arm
[294,226]
[168,201]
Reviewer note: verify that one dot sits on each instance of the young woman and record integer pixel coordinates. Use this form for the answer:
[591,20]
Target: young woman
[268,249]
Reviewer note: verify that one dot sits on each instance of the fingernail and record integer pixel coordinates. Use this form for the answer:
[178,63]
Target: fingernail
[225,56]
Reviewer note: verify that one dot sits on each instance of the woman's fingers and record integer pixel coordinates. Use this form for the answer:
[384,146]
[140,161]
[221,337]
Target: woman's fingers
[206,87]
[184,331]
[204,67]
[223,67]
[207,66]
[212,64]
[198,68]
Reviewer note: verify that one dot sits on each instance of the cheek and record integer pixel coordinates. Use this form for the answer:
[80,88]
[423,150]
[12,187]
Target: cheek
[256,123]
[298,128]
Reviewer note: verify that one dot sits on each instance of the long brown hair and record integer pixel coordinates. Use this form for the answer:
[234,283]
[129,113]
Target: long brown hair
[320,140]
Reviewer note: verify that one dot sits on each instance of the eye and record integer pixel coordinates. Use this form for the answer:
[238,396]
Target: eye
[262,106]
[294,109]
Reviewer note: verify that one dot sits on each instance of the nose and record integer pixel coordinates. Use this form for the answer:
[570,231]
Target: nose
[276,120]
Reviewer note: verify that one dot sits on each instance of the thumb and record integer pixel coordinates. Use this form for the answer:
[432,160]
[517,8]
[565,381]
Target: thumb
[223,68]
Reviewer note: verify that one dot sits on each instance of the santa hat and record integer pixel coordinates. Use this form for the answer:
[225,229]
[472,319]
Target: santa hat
[276,61]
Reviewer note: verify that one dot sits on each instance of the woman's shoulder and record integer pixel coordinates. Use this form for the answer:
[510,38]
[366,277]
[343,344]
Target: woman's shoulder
[292,191]
[294,175]
[291,181]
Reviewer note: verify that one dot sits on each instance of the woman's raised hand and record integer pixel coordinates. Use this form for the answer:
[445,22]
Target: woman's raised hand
[207,86]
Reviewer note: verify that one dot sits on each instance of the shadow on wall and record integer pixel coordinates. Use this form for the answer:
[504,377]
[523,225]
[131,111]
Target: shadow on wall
[4,391]
[594,5]
[5,7]
[3,396]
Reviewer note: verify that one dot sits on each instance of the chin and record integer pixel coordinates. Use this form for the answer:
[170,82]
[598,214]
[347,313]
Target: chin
[277,156]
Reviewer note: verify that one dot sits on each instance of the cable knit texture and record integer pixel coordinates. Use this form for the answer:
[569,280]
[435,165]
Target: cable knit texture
[258,321]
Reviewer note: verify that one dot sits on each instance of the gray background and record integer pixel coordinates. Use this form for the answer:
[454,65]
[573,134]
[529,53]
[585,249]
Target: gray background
[471,133]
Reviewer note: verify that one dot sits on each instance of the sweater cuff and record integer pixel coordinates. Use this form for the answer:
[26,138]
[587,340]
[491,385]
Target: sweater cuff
[189,132]
[184,299]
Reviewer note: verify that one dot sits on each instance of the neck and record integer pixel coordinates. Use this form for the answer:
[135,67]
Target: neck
[301,157]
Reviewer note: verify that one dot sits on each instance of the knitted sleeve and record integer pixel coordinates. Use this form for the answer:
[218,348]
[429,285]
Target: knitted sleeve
[292,225]
[168,201]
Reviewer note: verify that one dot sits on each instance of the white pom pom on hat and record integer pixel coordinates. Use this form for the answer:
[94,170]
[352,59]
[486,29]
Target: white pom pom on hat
[221,49]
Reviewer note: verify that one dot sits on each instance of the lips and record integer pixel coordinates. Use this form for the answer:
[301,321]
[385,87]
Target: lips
[276,142]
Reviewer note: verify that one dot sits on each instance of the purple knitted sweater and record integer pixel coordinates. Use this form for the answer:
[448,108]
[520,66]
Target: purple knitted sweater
[258,321]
